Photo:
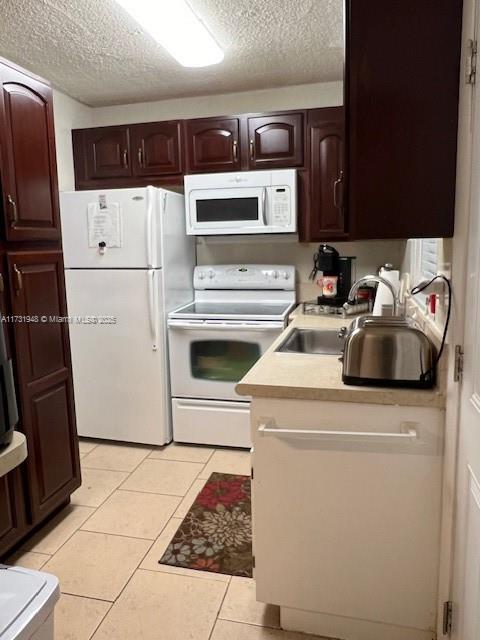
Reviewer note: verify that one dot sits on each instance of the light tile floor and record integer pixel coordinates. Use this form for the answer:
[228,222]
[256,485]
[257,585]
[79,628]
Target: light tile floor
[105,549]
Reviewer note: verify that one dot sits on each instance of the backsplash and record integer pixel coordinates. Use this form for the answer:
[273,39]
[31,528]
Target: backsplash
[247,249]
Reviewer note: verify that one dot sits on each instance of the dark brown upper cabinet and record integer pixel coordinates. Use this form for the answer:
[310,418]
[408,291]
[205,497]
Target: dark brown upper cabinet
[156,148]
[401,98]
[324,212]
[275,141]
[212,144]
[45,391]
[28,162]
[107,152]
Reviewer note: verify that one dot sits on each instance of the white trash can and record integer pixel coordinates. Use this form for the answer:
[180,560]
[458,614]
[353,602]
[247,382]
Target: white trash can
[27,601]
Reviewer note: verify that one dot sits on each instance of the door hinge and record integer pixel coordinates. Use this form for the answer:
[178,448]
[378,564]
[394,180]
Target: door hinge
[253,562]
[471,62]
[458,367]
[251,473]
[447,617]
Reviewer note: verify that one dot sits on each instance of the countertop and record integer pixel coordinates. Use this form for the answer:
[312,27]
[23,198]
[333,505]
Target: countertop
[13,454]
[302,376]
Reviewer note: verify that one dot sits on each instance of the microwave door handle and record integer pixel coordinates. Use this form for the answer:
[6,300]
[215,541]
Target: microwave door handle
[264,206]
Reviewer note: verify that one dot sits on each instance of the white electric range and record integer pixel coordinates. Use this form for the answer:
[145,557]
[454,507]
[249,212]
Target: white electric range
[238,311]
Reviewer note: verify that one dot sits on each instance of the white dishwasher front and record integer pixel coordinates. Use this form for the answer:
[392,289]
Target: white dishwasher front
[346,511]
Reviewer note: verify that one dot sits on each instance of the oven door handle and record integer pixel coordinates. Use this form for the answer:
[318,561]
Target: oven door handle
[261,326]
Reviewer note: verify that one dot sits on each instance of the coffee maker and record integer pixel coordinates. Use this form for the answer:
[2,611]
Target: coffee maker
[336,269]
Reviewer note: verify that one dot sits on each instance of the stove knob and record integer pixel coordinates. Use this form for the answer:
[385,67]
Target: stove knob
[211,273]
[275,274]
[201,275]
[285,275]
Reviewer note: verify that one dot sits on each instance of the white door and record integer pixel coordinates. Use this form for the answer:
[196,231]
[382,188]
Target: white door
[119,369]
[466,579]
[138,211]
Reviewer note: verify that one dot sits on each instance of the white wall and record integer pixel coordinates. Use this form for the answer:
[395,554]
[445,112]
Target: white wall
[326,94]
[370,255]
[68,114]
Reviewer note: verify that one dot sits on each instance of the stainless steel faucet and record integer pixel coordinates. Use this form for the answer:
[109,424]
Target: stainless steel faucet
[365,280]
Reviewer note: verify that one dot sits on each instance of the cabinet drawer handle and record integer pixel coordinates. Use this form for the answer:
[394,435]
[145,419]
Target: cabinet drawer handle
[408,432]
[235,150]
[252,150]
[140,157]
[18,279]
[338,192]
[125,158]
[13,205]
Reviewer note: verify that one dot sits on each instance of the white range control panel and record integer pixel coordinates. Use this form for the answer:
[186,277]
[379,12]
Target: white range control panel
[244,276]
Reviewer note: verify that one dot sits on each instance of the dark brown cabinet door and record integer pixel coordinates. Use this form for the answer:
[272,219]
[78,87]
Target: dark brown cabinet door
[325,215]
[27,142]
[212,145]
[44,377]
[156,148]
[401,110]
[12,514]
[107,152]
[275,141]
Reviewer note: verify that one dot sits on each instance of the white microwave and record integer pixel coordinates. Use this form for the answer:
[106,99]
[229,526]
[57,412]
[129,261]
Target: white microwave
[241,203]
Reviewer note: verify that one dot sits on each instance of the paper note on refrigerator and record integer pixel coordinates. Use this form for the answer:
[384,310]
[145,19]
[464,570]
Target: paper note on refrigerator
[104,225]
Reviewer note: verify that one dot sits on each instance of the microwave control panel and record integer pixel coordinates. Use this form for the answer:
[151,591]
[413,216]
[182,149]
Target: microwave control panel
[281,206]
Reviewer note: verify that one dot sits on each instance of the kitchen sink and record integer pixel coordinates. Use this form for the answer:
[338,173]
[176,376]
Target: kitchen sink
[320,341]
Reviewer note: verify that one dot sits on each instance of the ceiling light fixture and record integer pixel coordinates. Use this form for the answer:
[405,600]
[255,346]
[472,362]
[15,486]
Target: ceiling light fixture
[173,24]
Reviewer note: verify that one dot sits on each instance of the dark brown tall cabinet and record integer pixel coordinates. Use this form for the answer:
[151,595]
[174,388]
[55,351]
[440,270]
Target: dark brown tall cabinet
[401,98]
[33,288]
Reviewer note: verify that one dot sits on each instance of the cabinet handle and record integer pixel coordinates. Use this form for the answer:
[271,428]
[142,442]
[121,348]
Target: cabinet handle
[252,150]
[140,157]
[18,278]
[235,150]
[408,432]
[125,158]
[13,205]
[2,286]
[338,192]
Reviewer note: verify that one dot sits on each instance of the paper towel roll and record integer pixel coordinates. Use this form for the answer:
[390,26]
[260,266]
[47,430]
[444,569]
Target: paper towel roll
[384,295]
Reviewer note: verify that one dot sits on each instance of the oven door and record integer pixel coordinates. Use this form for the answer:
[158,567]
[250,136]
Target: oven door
[209,357]
[227,211]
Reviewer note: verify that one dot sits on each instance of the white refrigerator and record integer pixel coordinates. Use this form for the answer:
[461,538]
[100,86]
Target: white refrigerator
[128,262]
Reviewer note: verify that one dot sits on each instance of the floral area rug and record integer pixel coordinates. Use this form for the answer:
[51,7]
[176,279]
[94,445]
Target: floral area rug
[216,534]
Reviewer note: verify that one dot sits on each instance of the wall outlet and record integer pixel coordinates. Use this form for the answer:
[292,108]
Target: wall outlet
[444,270]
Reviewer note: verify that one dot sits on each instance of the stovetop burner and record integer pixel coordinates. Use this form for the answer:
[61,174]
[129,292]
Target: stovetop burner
[220,309]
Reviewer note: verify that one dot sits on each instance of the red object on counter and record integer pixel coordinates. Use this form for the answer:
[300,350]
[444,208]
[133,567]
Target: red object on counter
[432,303]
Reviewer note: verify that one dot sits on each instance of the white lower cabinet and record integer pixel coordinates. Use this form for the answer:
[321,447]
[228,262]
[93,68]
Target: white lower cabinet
[346,516]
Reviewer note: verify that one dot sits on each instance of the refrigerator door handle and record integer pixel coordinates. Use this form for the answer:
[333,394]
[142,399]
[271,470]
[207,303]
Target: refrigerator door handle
[153,306]
[150,209]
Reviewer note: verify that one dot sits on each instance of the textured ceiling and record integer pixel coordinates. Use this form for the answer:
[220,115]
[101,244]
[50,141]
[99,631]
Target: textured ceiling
[93,51]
